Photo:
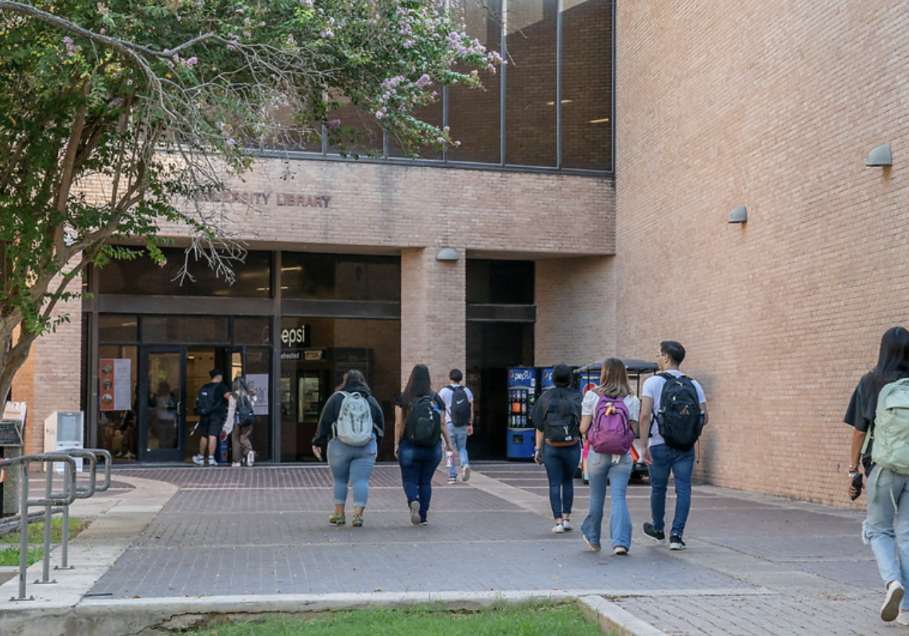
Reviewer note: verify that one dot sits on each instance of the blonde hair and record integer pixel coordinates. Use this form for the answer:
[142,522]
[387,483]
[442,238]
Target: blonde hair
[613,379]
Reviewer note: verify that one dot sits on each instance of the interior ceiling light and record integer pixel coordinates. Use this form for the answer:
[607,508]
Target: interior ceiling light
[598,121]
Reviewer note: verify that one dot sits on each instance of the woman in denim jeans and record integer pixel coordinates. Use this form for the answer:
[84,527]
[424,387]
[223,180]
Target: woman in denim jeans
[349,464]
[886,527]
[418,463]
[614,468]
[558,411]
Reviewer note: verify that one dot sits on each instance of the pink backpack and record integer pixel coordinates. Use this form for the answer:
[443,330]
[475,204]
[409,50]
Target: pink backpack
[610,433]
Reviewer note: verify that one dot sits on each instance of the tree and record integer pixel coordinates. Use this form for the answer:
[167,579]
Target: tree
[113,111]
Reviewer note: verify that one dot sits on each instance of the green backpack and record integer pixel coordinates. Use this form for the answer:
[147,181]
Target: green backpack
[891,428]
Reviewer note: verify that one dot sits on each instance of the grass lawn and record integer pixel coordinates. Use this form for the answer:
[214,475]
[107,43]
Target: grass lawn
[9,555]
[523,620]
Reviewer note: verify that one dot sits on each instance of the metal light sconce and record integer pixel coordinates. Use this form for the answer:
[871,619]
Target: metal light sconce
[738,215]
[447,254]
[879,157]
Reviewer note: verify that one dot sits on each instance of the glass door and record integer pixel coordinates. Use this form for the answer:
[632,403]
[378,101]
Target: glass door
[161,428]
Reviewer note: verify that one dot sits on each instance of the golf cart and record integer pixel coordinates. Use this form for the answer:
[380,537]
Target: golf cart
[588,377]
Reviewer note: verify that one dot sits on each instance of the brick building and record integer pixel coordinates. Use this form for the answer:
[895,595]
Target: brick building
[570,245]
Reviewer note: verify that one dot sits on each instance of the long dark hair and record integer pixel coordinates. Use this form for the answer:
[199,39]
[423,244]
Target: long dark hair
[418,384]
[353,378]
[893,359]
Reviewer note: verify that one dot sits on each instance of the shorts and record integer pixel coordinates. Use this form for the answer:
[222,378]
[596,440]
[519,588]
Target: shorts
[211,426]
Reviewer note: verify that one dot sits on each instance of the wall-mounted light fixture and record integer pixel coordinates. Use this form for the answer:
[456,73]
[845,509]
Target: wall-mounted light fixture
[738,215]
[447,254]
[879,157]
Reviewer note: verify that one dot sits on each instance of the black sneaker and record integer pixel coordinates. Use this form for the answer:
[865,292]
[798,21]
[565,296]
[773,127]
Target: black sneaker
[653,534]
[676,543]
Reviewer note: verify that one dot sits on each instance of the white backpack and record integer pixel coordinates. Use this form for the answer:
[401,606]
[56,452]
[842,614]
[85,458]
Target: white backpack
[354,423]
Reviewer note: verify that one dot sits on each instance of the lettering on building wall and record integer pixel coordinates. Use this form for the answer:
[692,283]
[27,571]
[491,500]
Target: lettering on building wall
[295,338]
[283,199]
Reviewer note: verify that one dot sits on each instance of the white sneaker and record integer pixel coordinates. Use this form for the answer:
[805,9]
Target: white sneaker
[465,473]
[250,458]
[235,465]
[903,618]
[212,462]
[199,460]
[891,608]
[567,525]
[558,529]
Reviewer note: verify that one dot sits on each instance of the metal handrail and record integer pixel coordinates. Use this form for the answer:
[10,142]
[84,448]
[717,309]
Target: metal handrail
[71,491]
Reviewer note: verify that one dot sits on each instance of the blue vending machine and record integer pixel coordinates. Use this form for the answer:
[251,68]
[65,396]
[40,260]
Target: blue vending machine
[522,391]
[545,379]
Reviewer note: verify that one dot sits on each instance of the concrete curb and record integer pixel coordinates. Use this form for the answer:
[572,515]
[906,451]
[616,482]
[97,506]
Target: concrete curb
[612,618]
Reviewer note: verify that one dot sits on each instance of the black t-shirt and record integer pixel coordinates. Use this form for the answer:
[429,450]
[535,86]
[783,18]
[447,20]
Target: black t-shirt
[861,411]
[220,410]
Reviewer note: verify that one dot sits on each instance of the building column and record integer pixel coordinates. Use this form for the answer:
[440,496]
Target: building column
[433,314]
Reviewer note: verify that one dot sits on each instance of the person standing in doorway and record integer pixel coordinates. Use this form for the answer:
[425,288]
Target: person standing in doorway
[875,410]
[557,416]
[673,412]
[350,422]
[212,404]
[459,419]
[611,465]
[418,436]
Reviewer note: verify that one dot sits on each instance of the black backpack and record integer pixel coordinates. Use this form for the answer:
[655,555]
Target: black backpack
[245,413]
[561,419]
[460,406]
[205,401]
[679,417]
[423,426]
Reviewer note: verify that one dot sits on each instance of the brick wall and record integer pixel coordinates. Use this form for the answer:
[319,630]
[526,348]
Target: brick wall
[772,105]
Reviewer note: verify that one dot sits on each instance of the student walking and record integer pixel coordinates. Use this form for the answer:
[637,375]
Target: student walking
[418,435]
[212,403]
[609,416]
[459,419]
[349,423]
[556,416]
[877,413]
[239,424]
[678,409]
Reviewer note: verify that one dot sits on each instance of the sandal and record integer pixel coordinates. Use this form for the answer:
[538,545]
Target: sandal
[357,521]
[337,520]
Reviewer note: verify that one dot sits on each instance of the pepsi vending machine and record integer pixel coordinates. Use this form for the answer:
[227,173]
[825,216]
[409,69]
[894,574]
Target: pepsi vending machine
[522,391]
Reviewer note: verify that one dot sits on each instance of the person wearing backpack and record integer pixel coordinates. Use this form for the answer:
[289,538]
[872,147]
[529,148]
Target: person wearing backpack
[609,415]
[418,435]
[240,419]
[677,408]
[879,414]
[459,420]
[557,417]
[211,403]
[349,424]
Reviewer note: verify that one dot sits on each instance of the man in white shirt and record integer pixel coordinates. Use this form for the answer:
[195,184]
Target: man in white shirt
[459,419]
[662,457]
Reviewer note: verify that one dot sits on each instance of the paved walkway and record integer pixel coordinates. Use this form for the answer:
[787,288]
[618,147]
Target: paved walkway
[206,539]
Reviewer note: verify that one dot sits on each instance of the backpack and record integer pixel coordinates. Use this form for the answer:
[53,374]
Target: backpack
[423,426]
[680,417]
[560,424]
[205,401]
[610,433]
[460,406]
[891,428]
[245,413]
[354,423]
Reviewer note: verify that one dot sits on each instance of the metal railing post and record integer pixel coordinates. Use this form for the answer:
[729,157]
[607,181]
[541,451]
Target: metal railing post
[23,531]
[48,491]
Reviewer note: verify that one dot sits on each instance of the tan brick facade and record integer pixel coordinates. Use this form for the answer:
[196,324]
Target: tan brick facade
[772,105]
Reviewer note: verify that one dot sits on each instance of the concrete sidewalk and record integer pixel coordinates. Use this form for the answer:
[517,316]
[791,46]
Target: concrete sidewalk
[170,542]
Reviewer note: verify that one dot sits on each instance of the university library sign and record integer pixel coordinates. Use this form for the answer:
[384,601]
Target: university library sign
[280,199]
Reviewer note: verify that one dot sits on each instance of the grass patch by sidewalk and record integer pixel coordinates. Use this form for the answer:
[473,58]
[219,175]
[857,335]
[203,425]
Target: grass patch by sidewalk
[36,531]
[522,620]
[9,557]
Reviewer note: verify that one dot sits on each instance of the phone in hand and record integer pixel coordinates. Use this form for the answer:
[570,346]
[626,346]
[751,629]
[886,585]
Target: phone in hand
[317,452]
[857,485]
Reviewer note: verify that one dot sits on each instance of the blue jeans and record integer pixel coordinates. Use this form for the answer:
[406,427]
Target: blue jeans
[458,436]
[351,464]
[681,463]
[599,469]
[561,462]
[418,464]
[886,529]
